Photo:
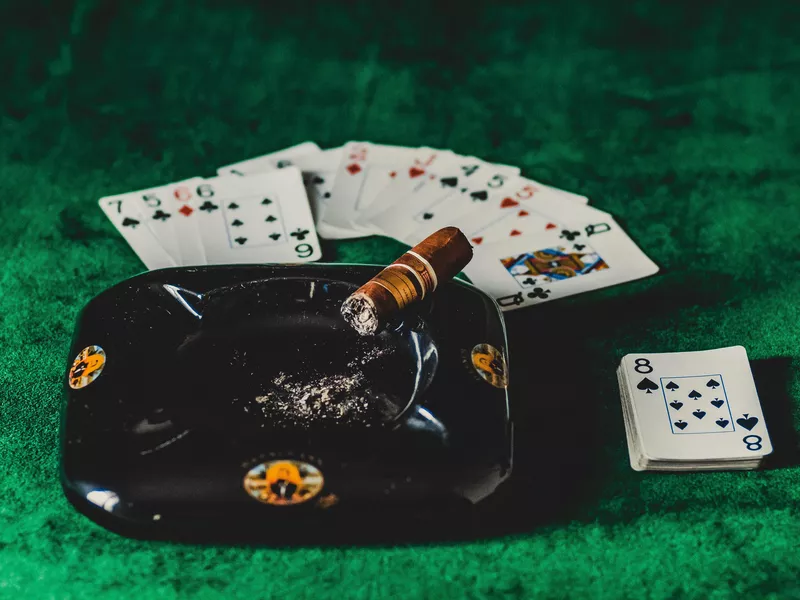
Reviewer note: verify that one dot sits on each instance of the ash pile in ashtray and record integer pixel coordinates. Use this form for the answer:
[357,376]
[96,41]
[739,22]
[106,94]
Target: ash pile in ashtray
[351,396]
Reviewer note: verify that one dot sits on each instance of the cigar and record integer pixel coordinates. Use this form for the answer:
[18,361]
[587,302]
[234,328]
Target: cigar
[412,277]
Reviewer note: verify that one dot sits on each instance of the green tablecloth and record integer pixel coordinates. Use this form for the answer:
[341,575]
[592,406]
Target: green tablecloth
[679,118]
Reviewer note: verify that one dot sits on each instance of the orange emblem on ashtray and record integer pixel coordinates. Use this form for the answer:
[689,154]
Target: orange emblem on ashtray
[283,482]
[86,367]
[490,365]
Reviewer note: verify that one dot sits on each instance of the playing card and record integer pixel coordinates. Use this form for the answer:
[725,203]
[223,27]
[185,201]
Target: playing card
[365,169]
[695,406]
[258,219]
[319,172]
[181,198]
[554,264]
[434,204]
[270,162]
[129,215]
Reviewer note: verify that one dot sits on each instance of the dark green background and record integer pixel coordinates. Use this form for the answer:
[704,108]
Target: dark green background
[679,118]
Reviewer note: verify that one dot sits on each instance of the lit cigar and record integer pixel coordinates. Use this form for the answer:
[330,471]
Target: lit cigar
[412,277]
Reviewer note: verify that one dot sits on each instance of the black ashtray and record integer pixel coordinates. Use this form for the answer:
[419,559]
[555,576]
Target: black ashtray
[235,403]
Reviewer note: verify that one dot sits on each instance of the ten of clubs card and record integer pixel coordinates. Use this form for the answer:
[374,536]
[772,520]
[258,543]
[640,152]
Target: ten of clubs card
[692,411]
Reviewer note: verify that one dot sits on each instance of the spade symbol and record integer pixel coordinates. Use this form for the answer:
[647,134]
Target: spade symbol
[676,404]
[270,219]
[699,413]
[722,422]
[240,240]
[680,425]
[237,223]
[694,395]
[233,206]
[317,180]
[717,402]
[479,196]
[427,216]
[712,384]
[747,422]
[266,201]
[275,236]
[128,222]
[672,386]
[647,385]
[449,181]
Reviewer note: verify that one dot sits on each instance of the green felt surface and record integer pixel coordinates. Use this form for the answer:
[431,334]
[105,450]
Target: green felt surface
[679,118]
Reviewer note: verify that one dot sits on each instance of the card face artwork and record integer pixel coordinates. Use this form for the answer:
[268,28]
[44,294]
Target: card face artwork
[696,406]
[261,218]
[536,268]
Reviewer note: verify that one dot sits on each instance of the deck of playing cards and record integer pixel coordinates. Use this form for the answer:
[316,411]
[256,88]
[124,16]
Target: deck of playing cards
[532,242]
[692,411]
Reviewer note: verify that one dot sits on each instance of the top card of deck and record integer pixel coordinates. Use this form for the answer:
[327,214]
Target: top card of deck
[696,405]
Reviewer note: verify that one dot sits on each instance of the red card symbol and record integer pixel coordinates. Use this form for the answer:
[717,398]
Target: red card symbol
[182,193]
[415,172]
[515,232]
[185,210]
[353,169]
[508,202]
[550,226]
[477,240]
[393,174]
[522,213]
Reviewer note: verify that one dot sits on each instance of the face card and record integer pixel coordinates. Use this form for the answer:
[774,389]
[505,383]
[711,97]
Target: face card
[365,169]
[696,405]
[130,216]
[546,266]
[270,162]
[258,219]
[424,210]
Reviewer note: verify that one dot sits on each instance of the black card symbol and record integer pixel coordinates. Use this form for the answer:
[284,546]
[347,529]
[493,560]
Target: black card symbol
[427,216]
[647,385]
[747,422]
[579,247]
[237,223]
[569,235]
[680,425]
[160,215]
[270,219]
[529,281]
[717,402]
[722,422]
[317,180]
[449,181]
[712,384]
[672,386]
[275,236]
[676,404]
[539,293]
[699,413]
[326,195]
[240,240]
[208,206]
[128,222]
[266,201]
[479,196]
[694,395]
[233,206]
[463,190]
[300,234]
